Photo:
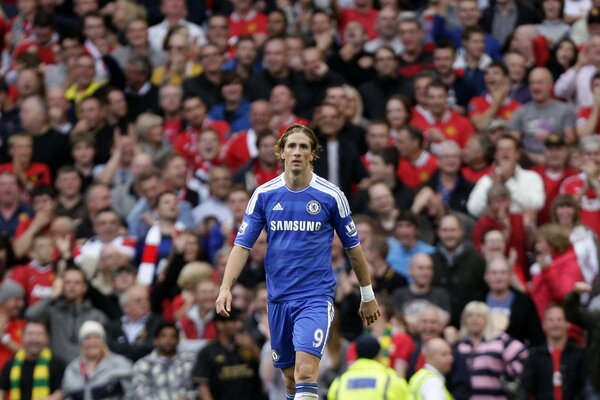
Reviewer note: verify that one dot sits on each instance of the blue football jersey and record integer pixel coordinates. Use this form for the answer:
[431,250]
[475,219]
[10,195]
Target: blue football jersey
[299,226]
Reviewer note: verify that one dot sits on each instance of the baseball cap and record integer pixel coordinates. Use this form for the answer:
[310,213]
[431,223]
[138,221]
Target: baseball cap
[497,123]
[554,140]
[367,347]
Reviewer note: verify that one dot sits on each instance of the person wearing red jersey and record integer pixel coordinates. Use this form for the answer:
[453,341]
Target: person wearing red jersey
[246,20]
[30,174]
[37,277]
[478,156]
[43,202]
[416,165]
[282,102]
[495,103]
[361,11]
[262,168]
[170,98]
[441,123]
[585,187]
[554,171]
[43,40]
[196,119]
[241,147]
[11,323]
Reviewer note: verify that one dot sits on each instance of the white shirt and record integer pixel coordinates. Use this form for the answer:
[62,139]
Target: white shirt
[157,34]
[132,329]
[433,389]
[575,87]
[577,8]
[526,192]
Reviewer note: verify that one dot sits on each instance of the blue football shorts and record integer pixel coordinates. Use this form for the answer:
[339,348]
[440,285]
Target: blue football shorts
[299,325]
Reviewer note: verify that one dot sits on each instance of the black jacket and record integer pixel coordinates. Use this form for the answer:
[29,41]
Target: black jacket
[524,324]
[376,92]
[143,345]
[536,381]
[458,196]
[463,278]
[525,16]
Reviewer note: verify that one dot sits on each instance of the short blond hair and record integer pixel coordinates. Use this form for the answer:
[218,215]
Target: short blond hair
[192,273]
[145,122]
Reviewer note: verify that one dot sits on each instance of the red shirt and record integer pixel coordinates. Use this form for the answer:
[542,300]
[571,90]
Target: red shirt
[366,18]
[171,127]
[590,203]
[240,149]
[185,143]
[37,173]
[517,239]
[14,329]
[45,53]
[36,280]
[253,22]
[292,119]
[394,351]
[473,175]
[583,114]
[552,185]
[413,174]
[453,125]
[480,104]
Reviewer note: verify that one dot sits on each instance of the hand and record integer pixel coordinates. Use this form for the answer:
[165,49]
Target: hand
[223,303]
[435,135]
[369,311]
[42,219]
[57,288]
[582,287]
[541,135]
[179,243]
[582,58]
[63,244]
[544,260]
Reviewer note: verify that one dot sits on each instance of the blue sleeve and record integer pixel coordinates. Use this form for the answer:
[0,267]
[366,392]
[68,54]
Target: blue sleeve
[343,224]
[439,28]
[492,47]
[253,223]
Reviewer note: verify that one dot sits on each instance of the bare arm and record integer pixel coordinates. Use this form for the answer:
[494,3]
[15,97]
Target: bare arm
[57,395]
[204,392]
[235,265]
[369,310]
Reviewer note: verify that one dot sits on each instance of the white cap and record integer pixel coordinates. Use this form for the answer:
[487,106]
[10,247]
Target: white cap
[91,328]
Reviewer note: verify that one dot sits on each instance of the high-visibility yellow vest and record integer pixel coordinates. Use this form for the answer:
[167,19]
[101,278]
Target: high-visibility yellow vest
[418,380]
[368,380]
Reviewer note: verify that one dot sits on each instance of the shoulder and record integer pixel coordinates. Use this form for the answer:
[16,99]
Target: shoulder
[329,190]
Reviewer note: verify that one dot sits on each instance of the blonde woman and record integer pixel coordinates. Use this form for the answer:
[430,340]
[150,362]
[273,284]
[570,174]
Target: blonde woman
[97,373]
[494,359]
[149,128]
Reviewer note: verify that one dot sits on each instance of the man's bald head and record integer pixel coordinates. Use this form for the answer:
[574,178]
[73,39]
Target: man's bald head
[438,354]
[540,85]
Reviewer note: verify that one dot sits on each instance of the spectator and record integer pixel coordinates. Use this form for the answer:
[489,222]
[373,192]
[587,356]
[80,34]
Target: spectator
[179,66]
[458,267]
[500,19]
[138,41]
[34,369]
[565,212]
[441,123]
[140,93]
[387,32]
[152,377]
[495,360]
[517,307]
[535,121]
[385,279]
[65,312]
[412,299]
[557,368]
[234,109]
[415,57]
[207,371]
[58,109]
[197,325]
[385,84]
[92,120]
[170,98]
[526,187]
[97,197]
[83,152]
[587,116]
[125,195]
[471,59]
[37,277]
[175,13]
[12,208]
[29,173]
[262,168]
[397,114]
[282,103]
[556,269]
[416,164]
[495,103]
[429,381]
[477,157]
[84,85]
[68,184]
[96,372]
[207,84]
[246,20]
[220,182]
[517,72]
[246,61]
[552,27]
[131,336]
[405,244]
[385,212]
[585,187]
[149,128]
[563,57]
[11,323]
[352,61]
[367,349]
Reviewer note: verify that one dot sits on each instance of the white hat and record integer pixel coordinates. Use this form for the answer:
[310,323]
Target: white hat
[91,328]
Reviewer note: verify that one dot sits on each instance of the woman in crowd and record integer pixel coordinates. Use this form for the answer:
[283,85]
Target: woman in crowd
[97,373]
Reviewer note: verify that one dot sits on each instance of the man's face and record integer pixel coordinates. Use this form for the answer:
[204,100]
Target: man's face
[106,226]
[494,76]
[211,58]
[381,199]
[556,156]
[421,270]
[330,121]
[266,150]
[176,172]
[421,85]
[336,95]
[274,57]
[150,189]
[232,92]
[450,160]
[43,203]
[35,338]
[411,36]
[275,23]
[385,63]
[43,249]
[85,69]
[167,340]
[516,67]
[429,325]
[74,286]
[173,8]
[21,150]
[99,199]
[506,151]
[209,145]
[217,29]
[387,22]
[297,152]
[406,233]
[437,99]
[497,276]
[43,34]
[246,52]
[443,59]
[281,100]
[591,156]
[219,182]
[377,137]
[555,324]
[170,99]
[135,76]
[138,303]
[236,202]
[205,294]
[117,105]
[168,207]
[468,13]
[137,33]
[475,45]
[93,28]
[260,115]
[14,306]
[450,233]
[92,112]
[194,111]
[9,189]
[29,115]
[68,184]
[540,86]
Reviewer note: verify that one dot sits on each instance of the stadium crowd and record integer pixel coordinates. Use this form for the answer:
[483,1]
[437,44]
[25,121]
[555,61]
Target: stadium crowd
[464,133]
